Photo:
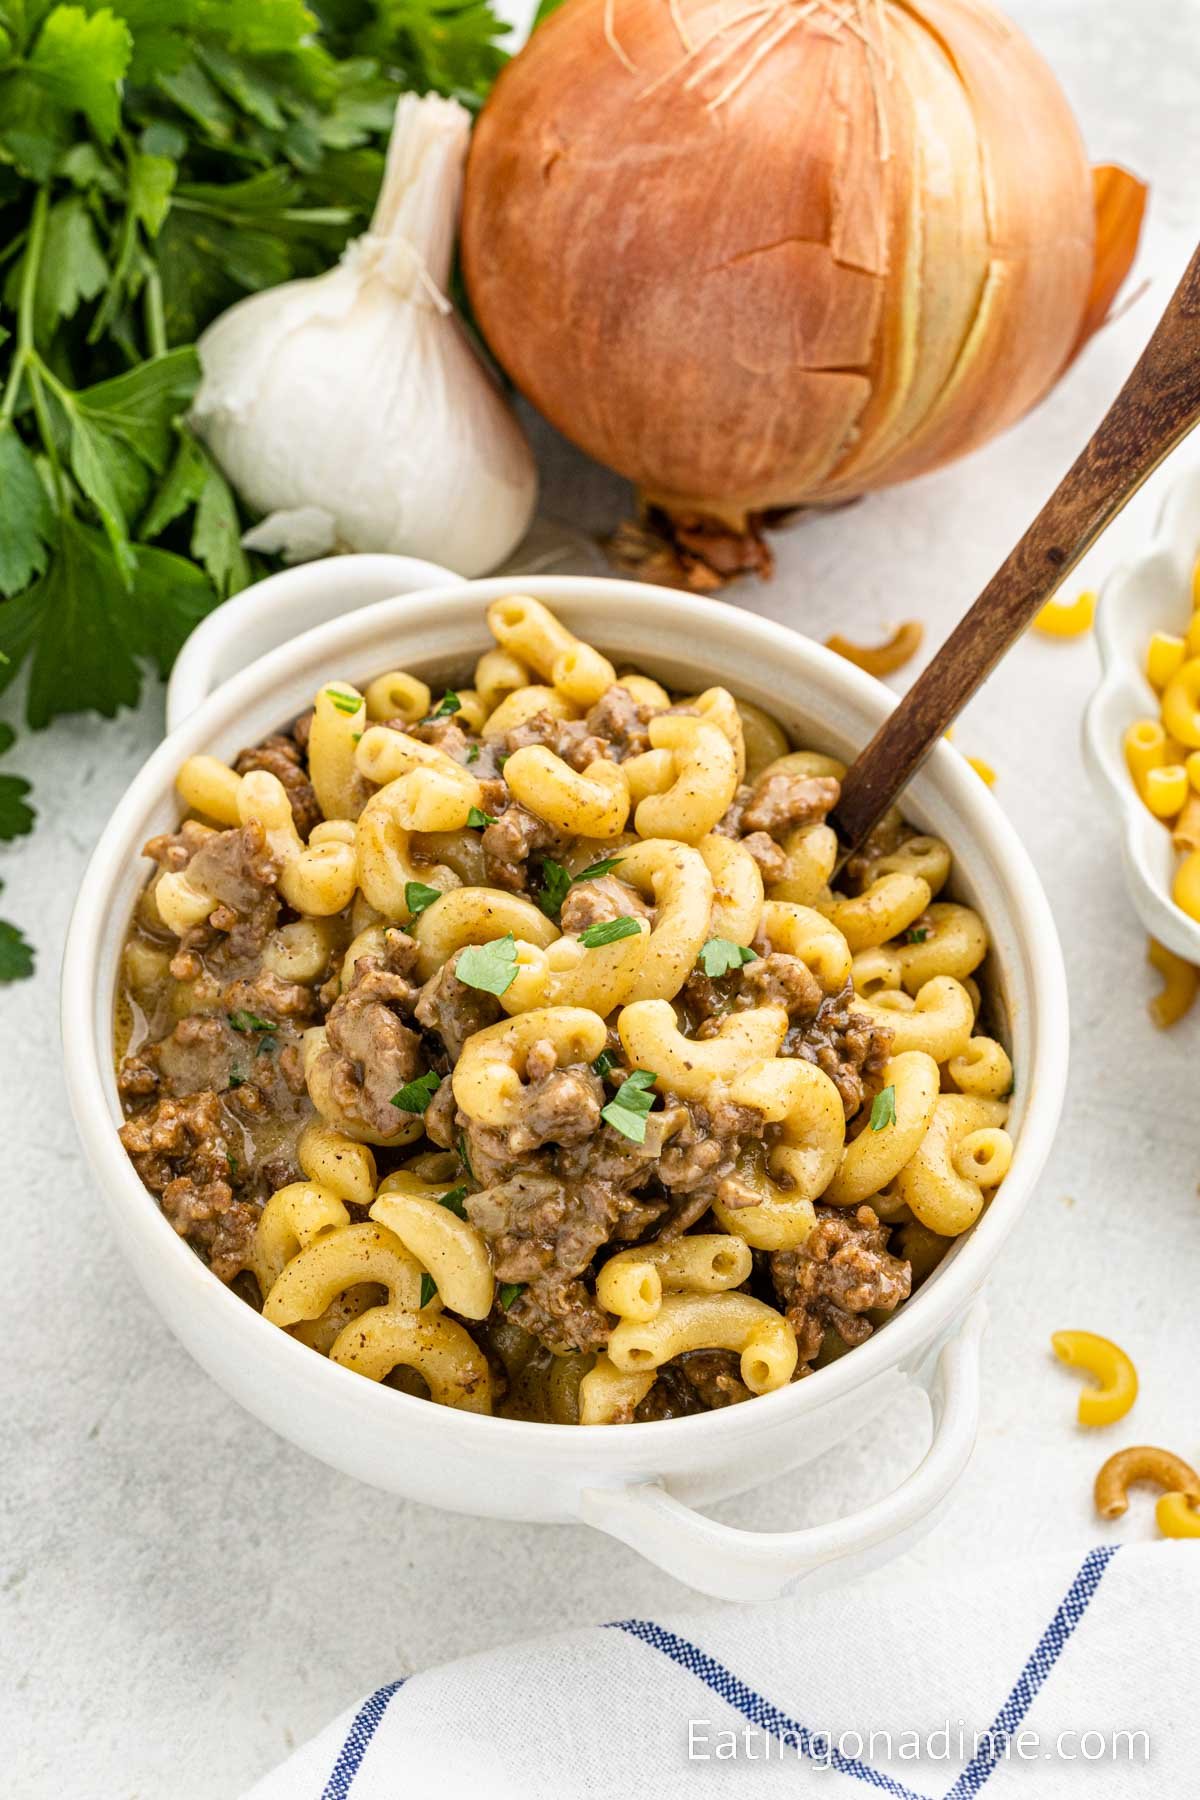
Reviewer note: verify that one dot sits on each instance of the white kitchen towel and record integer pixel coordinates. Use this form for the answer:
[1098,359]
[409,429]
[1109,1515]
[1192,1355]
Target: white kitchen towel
[1076,1676]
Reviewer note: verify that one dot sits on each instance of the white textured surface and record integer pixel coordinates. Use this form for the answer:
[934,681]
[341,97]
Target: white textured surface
[184,1597]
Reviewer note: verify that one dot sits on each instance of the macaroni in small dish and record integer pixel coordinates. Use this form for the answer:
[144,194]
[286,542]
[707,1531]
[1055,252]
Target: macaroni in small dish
[1163,753]
[510,1044]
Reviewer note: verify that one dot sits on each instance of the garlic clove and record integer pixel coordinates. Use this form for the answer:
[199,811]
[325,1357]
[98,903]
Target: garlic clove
[297,535]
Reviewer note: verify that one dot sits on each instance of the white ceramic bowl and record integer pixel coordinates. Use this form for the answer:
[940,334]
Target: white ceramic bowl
[642,1483]
[1148,594]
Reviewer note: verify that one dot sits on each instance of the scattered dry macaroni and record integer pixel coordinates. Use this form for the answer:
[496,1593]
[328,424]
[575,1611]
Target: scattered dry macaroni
[1067,618]
[1145,1463]
[881,659]
[512,1045]
[1116,1378]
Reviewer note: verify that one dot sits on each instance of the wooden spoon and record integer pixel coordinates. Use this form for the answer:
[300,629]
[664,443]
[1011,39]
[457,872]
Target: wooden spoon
[1154,411]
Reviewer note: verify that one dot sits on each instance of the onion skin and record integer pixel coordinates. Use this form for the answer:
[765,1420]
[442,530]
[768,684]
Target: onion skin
[747,306]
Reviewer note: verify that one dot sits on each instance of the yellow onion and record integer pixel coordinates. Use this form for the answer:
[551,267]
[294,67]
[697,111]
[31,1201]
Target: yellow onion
[758,255]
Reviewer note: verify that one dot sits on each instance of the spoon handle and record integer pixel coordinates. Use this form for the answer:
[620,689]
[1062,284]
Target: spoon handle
[1158,405]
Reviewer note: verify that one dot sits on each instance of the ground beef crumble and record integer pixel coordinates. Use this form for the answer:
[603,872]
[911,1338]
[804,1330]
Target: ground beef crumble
[284,758]
[698,1381]
[453,1011]
[510,840]
[842,1271]
[236,868]
[181,1151]
[846,1045]
[374,1054]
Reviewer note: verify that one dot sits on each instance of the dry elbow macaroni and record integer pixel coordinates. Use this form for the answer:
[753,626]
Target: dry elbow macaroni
[1163,758]
[550,1043]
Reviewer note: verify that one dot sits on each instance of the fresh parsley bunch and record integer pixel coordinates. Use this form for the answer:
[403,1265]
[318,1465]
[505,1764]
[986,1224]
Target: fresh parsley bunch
[158,160]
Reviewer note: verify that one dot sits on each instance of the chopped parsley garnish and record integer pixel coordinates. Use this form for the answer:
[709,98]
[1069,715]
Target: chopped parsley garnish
[428,1288]
[917,934]
[233,1165]
[490,967]
[626,1111]
[721,955]
[453,1201]
[605,1062]
[556,885]
[478,820]
[557,882]
[236,1078]
[248,1021]
[609,931]
[345,703]
[415,1096]
[604,867]
[472,753]
[449,703]
[883,1108]
[463,1155]
[509,1291]
[417,896]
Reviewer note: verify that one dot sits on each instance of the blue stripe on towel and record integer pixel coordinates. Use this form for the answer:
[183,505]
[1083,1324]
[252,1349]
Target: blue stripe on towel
[755,1707]
[362,1730]
[769,1717]
[1033,1675]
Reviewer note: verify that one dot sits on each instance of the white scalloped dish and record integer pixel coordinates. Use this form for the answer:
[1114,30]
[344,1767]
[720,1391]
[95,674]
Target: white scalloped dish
[1150,593]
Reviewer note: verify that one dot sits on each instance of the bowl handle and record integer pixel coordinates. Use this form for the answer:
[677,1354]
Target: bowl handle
[274,611]
[732,1564]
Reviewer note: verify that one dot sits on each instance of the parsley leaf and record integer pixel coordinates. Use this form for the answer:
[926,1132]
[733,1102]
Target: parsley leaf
[248,1021]
[605,866]
[428,1288]
[626,1111]
[449,704]
[883,1109]
[26,518]
[418,896]
[721,955]
[464,1155]
[510,1291]
[478,820]
[80,61]
[917,934]
[609,931]
[415,1095]
[472,753]
[343,702]
[604,1063]
[73,268]
[556,885]
[453,1201]
[16,954]
[492,968]
[16,817]
[557,882]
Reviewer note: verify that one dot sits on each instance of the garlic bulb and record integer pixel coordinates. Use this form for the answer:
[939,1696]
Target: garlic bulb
[351,409]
